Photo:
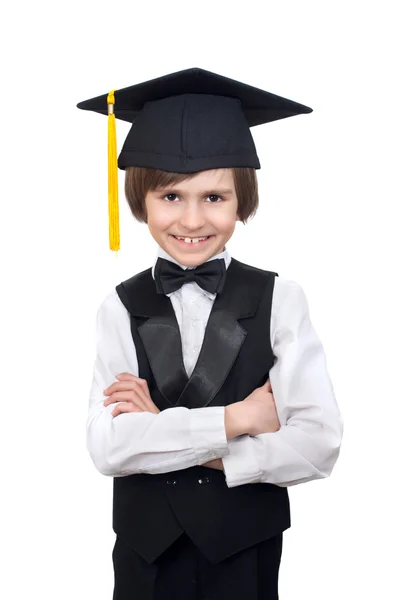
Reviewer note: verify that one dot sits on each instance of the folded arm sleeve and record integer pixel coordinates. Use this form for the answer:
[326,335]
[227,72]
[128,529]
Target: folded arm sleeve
[307,444]
[132,443]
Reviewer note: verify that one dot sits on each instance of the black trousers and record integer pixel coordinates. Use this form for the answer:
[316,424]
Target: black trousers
[183,573]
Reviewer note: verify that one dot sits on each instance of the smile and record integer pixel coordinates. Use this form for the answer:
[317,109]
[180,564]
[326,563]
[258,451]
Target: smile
[192,241]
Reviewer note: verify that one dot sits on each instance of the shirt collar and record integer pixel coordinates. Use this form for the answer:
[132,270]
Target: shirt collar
[163,254]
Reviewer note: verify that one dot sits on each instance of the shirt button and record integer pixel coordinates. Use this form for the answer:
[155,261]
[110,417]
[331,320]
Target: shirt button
[172,481]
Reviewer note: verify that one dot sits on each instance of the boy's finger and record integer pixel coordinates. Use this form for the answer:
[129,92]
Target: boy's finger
[125,396]
[139,380]
[140,386]
[125,384]
[128,382]
[125,407]
[140,393]
[129,376]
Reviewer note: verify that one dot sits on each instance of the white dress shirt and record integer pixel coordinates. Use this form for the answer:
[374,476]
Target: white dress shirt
[307,444]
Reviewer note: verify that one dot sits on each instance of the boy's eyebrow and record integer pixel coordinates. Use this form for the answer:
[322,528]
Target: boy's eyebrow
[222,191]
[216,191]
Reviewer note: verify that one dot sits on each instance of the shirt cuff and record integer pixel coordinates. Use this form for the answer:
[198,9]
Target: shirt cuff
[208,435]
[241,464]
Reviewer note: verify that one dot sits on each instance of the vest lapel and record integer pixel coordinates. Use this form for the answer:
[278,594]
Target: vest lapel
[223,339]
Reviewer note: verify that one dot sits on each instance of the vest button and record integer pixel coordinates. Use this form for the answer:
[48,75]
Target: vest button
[204,480]
[172,481]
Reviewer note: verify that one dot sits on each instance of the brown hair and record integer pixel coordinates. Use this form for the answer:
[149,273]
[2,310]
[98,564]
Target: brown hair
[139,181]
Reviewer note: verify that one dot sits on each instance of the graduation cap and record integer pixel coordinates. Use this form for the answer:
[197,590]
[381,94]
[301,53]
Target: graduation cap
[185,122]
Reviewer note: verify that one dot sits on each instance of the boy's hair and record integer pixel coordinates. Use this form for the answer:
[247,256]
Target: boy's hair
[139,181]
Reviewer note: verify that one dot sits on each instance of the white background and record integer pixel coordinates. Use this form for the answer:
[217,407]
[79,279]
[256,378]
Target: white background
[329,190]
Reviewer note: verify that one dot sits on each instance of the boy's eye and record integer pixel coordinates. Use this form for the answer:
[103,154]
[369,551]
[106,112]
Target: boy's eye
[213,197]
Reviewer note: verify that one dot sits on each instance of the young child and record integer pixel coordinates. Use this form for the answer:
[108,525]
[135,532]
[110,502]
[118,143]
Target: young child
[189,351]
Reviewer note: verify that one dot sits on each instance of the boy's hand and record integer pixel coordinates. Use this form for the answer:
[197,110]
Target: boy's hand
[260,415]
[214,464]
[132,393]
[261,410]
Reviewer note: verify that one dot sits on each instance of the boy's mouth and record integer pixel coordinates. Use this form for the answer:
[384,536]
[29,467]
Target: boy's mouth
[192,241]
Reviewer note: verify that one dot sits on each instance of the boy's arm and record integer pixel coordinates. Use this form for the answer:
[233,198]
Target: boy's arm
[174,439]
[307,445]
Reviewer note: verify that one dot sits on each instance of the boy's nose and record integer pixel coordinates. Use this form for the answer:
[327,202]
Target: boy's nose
[192,220]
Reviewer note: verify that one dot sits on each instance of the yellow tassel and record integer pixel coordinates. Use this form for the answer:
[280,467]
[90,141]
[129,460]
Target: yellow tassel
[113,216]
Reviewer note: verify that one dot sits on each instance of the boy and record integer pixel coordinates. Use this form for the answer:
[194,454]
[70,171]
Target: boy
[200,455]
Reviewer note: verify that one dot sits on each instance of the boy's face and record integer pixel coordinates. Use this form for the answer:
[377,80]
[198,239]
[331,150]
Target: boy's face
[205,205]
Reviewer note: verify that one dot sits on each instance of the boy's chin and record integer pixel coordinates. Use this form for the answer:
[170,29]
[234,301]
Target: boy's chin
[193,257]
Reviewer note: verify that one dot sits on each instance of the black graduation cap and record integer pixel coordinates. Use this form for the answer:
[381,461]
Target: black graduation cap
[188,121]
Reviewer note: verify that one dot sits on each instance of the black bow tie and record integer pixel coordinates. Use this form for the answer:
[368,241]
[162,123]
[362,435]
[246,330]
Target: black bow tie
[169,276]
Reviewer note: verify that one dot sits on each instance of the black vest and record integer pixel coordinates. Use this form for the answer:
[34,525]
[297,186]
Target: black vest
[151,511]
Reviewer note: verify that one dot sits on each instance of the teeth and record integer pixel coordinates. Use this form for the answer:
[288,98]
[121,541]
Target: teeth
[191,240]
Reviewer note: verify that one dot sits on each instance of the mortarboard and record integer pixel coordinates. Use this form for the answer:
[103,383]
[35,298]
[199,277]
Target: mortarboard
[185,122]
